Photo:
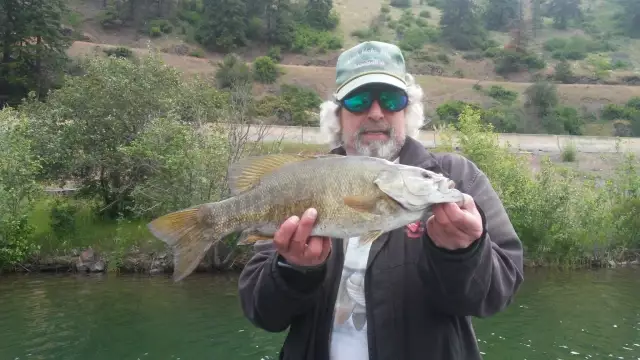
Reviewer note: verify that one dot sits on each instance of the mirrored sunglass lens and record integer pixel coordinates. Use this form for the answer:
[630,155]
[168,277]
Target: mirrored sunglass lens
[358,102]
[393,100]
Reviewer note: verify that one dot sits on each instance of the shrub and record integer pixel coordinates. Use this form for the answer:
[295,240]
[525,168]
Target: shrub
[119,51]
[232,71]
[541,97]
[265,70]
[19,167]
[509,61]
[560,217]
[502,94]
[84,129]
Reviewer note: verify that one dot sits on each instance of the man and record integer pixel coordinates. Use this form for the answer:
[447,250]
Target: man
[411,293]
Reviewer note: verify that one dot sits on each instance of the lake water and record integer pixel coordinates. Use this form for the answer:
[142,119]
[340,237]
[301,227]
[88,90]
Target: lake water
[570,315]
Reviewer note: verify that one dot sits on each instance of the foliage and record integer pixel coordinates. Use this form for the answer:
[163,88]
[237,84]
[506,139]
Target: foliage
[320,16]
[563,12]
[541,97]
[629,112]
[560,217]
[500,93]
[18,188]
[563,73]
[627,17]
[510,61]
[184,166]
[575,47]
[460,25]
[223,27]
[84,129]
[265,70]
[33,48]
[232,72]
[291,107]
[501,14]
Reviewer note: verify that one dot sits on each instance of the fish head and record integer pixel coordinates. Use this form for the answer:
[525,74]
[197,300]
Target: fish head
[415,188]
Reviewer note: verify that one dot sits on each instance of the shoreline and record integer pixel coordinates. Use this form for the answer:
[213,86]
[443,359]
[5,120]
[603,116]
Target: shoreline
[161,263]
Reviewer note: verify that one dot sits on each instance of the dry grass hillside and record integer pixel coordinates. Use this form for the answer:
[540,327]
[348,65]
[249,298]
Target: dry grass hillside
[437,89]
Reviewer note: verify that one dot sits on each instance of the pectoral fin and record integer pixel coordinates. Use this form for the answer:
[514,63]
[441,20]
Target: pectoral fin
[361,203]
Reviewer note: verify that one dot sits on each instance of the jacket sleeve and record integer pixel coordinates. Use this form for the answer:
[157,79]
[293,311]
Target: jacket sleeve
[271,295]
[484,278]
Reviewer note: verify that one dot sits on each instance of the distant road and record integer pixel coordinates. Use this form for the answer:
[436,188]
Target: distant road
[523,142]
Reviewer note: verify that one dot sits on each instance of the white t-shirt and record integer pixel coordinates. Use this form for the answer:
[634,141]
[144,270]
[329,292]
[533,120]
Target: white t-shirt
[349,336]
[349,333]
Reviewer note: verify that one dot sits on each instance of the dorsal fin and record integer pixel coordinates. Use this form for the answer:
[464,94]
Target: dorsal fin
[247,172]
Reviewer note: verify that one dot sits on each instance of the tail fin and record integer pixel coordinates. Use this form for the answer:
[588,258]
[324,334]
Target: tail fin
[182,231]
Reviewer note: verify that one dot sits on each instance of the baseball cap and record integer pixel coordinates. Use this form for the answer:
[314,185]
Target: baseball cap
[369,62]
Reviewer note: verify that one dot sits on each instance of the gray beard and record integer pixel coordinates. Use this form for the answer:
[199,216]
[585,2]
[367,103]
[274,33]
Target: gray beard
[385,149]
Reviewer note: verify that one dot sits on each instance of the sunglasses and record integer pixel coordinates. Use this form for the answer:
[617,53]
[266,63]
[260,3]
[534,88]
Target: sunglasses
[389,99]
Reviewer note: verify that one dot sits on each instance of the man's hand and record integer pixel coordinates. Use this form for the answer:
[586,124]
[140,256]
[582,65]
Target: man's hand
[455,227]
[294,244]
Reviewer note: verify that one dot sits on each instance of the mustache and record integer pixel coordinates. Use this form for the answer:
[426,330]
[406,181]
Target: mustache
[365,129]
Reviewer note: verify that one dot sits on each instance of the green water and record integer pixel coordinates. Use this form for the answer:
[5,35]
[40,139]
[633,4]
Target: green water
[576,315]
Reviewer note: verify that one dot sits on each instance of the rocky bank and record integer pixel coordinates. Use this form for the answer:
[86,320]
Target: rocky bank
[133,261]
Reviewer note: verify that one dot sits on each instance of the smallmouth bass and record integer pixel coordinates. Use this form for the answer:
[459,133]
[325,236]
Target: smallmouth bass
[353,195]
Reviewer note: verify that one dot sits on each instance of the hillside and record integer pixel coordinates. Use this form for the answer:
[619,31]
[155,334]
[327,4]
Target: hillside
[594,49]
[438,90]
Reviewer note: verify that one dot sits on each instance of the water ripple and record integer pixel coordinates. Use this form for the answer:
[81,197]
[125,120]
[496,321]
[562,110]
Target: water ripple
[579,315]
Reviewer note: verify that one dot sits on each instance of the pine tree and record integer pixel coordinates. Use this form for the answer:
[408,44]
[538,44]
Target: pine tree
[499,15]
[318,13]
[563,11]
[460,25]
[629,17]
[33,47]
[223,25]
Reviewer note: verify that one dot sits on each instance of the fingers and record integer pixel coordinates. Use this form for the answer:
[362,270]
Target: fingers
[282,237]
[299,241]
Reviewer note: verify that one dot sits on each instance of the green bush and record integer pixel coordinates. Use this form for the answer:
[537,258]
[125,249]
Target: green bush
[541,97]
[19,167]
[509,61]
[502,94]
[559,216]
[232,72]
[119,51]
[305,38]
[575,47]
[293,106]
[265,70]
[84,129]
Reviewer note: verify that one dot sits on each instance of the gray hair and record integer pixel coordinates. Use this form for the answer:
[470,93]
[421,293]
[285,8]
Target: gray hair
[414,115]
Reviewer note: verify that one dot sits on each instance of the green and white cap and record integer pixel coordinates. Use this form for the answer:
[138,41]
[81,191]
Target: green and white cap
[369,62]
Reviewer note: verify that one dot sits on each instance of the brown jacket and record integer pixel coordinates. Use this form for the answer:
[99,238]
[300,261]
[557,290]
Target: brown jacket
[420,298]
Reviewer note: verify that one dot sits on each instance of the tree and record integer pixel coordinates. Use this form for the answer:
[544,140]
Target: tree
[318,14]
[563,11]
[628,17]
[223,25]
[33,47]
[500,14]
[460,25]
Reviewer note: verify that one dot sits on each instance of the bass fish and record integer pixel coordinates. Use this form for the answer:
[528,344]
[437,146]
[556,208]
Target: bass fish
[353,195]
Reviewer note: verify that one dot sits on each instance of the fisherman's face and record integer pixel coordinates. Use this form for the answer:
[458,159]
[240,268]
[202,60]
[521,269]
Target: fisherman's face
[372,120]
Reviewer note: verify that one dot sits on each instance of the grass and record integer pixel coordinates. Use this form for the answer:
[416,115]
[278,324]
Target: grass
[103,236]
